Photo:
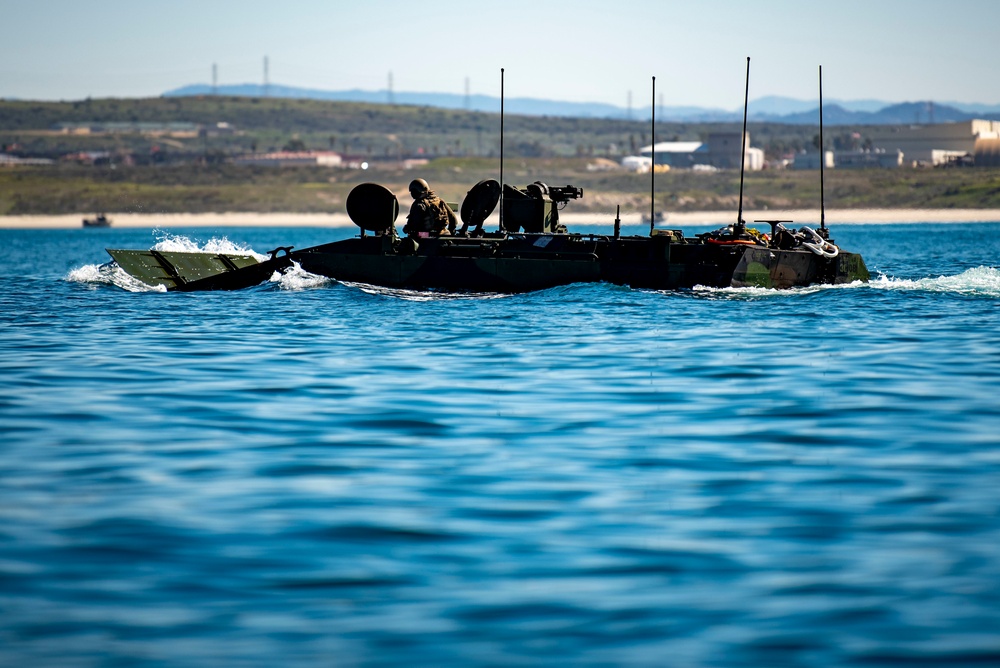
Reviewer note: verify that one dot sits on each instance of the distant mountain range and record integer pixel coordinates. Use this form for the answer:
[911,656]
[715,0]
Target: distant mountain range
[766,109]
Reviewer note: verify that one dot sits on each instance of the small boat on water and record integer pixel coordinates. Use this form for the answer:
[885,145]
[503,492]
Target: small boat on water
[98,221]
[531,250]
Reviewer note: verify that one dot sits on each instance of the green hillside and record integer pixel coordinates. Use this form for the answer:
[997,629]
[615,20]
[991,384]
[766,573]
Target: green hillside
[369,130]
[192,173]
[218,188]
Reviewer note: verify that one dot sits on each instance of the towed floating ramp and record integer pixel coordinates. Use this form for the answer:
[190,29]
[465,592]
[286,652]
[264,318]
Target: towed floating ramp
[185,271]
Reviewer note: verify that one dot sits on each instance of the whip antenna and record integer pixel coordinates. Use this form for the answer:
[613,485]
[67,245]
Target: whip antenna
[740,225]
[822,160]
[652,165]
[502,228]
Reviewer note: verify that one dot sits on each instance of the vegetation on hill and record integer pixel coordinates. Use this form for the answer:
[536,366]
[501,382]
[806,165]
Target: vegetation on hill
[224,187]
[372,131]
[191,173]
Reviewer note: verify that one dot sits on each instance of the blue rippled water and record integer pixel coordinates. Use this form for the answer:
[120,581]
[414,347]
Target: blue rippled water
[311,473]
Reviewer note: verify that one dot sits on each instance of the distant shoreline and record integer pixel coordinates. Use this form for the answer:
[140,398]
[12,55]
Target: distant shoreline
[673,219]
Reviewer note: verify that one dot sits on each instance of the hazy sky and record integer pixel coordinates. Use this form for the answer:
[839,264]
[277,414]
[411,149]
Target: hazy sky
[577,50]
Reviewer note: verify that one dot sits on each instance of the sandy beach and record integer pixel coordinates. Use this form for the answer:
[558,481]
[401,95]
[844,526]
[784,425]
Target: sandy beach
[244,219]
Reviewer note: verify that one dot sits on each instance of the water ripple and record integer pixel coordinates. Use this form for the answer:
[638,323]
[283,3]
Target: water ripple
[310,472]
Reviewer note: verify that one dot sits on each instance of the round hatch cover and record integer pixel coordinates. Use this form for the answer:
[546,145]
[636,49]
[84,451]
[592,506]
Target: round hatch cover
[372,207]
[480,201]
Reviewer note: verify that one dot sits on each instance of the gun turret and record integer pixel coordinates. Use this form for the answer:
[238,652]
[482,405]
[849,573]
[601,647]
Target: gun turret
[535,208]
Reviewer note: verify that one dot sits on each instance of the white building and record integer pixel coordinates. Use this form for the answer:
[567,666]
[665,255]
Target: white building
[291,158]
[810,160]
[675,153]
[987,152]
[850,159]
[7,160]
[637,163]
[722,150]
[934,144]
[868,159]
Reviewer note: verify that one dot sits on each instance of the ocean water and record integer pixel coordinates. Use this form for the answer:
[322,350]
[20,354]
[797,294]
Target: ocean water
[309,473]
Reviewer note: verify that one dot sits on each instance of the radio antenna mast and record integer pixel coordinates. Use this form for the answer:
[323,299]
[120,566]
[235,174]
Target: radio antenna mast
[501,150]
[822,160]
[740,226]
[652,165]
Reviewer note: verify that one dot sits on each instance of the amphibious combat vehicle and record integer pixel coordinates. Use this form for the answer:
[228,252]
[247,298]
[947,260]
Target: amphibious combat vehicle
[532,250]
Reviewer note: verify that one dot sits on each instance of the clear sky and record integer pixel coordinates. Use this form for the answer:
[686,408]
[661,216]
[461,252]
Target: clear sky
[574,50]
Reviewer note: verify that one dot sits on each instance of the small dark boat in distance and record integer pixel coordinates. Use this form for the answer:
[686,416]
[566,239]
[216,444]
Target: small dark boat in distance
[99,221]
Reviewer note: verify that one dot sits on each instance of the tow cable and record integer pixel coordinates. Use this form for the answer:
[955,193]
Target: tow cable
[818,245]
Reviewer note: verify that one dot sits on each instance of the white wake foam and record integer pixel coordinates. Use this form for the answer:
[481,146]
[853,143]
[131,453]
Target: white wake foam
[297,278]
[978,281]
[179,243]
[983,281]
[111,274]
[755,292]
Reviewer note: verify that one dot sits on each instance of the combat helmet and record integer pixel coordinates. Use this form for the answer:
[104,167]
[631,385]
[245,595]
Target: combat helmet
[418,187]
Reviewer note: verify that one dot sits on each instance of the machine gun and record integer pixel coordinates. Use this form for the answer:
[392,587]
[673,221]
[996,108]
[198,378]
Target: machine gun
[564,193]
[559,194]
[535,208]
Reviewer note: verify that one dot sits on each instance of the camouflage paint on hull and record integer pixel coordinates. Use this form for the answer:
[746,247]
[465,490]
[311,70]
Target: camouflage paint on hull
[522,263]
[772,268]
[476,265]
[184,271]
[512,263]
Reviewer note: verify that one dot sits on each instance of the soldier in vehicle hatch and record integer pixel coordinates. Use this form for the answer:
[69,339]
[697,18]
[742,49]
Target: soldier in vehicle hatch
[429,213]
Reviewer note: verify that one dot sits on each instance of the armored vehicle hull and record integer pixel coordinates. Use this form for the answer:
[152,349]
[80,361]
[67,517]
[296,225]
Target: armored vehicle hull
[514,263]
[532,251]
[525,262]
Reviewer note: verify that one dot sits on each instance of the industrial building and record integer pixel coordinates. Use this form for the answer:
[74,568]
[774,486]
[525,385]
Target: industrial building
[178,130]
[935,144]
[290,159]
[7,160]
[987,153]
[875,158]
[721,150]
